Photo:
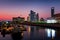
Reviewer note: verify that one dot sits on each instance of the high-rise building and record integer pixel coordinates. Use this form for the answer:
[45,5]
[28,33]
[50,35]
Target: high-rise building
[37,17]
[33,16]
[52,11]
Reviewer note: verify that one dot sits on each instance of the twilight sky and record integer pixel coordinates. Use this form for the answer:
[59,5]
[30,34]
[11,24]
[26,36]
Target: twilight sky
[15,8]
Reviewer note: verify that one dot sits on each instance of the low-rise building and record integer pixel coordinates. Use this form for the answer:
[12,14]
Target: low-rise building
[18,19]
[57,17]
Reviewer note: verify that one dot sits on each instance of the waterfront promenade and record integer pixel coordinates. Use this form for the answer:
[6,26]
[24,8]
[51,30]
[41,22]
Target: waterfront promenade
[44,25]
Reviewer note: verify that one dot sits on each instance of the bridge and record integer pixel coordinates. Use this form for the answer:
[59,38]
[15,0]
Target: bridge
[44,25]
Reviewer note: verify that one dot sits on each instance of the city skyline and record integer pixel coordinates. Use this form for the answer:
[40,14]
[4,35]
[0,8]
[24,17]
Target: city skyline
[9,9]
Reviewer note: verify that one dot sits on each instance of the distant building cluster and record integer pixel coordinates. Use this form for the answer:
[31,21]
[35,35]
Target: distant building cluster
[18,19]
[55,18]
[33,16]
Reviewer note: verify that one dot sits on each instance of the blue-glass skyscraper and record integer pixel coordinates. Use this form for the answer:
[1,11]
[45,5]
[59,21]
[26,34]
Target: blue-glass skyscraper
[33,16]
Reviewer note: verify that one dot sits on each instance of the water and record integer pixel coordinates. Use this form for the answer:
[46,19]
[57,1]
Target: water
[37,33]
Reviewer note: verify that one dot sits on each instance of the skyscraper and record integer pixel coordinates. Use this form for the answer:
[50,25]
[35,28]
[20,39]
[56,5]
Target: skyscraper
[52,11]
[37,17]
[32,16]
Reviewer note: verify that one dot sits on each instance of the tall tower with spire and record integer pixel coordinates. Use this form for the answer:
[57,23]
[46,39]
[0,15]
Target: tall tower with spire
[52,11]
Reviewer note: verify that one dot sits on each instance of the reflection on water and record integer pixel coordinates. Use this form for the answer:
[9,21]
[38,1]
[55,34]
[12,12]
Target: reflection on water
[53,33]
[50,33]
[38,33]
[29,29]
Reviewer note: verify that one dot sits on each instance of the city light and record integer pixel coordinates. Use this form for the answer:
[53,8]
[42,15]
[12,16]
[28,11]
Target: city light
[7,22]
[53,33]
[50,32]
[52,21]
[48,21]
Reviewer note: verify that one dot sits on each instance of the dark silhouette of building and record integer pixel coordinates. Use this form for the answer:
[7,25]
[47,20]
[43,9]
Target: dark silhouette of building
[37,17]
[18,19]
[52,11]
[42,19]
[57,17]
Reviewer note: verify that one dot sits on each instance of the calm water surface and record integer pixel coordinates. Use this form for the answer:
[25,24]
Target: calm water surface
[37,33]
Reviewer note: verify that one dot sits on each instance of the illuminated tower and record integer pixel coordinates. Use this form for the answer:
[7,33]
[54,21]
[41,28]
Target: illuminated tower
[52,11]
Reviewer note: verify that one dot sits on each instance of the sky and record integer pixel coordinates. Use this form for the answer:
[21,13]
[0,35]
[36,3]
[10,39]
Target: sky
[15,8]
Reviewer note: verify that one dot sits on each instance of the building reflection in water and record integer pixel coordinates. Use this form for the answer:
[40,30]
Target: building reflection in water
[50,32]
[37,33]
[29,29]
[53,33]
[26,33]
[22,34]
